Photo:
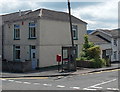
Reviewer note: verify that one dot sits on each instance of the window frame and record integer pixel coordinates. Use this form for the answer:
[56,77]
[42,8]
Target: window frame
[32,30]
[115,41]
[75,32]
[15,49]
[16,32]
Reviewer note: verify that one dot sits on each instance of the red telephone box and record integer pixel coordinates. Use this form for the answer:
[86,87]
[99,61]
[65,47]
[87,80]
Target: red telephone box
[58,58]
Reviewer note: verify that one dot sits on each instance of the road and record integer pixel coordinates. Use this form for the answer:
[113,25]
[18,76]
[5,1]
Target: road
[105,80]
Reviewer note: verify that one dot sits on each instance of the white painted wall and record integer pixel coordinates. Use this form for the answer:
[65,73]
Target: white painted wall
[54,35]
[104,47]
[51,36]
[24,42]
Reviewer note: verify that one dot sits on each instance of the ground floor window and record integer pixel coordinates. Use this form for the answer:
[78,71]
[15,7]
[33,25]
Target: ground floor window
[16,53]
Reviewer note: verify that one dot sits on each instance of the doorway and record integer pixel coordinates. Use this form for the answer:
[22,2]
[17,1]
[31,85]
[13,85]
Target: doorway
[33,57]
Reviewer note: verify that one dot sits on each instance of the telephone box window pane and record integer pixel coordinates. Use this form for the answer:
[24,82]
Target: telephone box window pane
[65,54]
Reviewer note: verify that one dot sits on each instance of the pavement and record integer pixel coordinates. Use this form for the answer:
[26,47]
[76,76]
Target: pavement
[55,72]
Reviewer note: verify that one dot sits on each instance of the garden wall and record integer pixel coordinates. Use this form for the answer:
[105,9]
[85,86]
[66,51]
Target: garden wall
[11,66]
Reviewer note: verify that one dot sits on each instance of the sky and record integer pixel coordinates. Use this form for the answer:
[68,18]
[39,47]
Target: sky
[99,14]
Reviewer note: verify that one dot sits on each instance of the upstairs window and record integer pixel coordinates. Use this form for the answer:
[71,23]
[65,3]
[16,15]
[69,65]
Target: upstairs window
[115,41]
[75,32]
[32,30]
[16,32]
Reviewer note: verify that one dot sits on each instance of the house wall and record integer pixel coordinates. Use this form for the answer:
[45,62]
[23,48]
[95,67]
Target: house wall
[24,41]
[54,35]
[105,47]
[51,36]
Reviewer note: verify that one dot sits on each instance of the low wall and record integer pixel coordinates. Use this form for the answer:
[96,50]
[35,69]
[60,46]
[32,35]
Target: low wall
[11,66]
[85,64]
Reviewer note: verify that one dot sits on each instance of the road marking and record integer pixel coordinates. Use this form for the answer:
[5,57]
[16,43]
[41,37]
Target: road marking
[84,74]
[103,83]
[60,86]
[91,73]
[18,81]
[112,88]
[47,84]
[26,78]
[26,83]
[88,89]
[3,79]
[11,80]
[100,72]
[36,83]
[96,87]
[75,87]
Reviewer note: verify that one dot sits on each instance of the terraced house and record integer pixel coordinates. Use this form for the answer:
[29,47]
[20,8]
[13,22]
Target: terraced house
[38,36]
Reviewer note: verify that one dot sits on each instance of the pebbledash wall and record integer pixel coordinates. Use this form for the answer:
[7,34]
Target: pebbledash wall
[51,35]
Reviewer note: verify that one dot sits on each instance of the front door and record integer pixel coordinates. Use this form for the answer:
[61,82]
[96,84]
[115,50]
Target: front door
[33,57]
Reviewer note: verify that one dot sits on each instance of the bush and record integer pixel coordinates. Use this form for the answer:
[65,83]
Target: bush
[87,44]
[107,62]
[97,63]
[83,58]
[93,52]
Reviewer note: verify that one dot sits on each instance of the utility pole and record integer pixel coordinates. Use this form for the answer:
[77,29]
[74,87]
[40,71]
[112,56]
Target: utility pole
[70,23]
[73,59]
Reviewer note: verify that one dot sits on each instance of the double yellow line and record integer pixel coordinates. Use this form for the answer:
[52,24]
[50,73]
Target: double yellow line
[26,78]
[101,71]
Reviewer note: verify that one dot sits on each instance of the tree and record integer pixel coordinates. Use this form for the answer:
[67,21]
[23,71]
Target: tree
[87,44]
[92,53]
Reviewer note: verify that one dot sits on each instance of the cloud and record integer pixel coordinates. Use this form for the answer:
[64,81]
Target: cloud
[97,13]
[16,5]
[102,15]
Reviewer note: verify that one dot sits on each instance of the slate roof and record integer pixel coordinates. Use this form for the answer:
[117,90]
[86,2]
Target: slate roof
[40,13]
[112,33]
[97,40]
[13,16]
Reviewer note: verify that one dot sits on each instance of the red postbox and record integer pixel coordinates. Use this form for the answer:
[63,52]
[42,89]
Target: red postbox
[58,58]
